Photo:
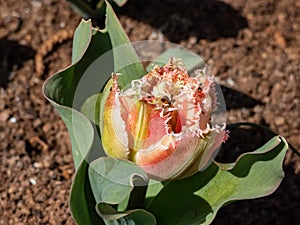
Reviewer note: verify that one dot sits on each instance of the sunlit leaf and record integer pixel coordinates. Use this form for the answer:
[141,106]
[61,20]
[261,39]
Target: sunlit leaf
[70,90]
[197,199]
[112,182]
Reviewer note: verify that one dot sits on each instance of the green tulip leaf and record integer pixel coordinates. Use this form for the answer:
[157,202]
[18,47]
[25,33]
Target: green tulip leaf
[120,2]
[81,40]
[126,61]
[129,217]
[93,61]
[91,108]
[96,54]
[82,201]
[113,181]
[93,9]
[196,200]
[153,190]
[104,190]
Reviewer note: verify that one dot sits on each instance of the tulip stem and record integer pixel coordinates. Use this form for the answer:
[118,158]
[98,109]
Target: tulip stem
[137,196]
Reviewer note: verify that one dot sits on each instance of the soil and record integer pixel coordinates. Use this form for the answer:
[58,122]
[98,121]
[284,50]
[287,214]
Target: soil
[252,47]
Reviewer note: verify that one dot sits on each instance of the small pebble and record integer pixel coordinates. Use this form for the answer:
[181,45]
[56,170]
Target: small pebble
[13,120]
[26,10]
[230,82]
[32,181]
[62,24]
[37,165]
[279,121]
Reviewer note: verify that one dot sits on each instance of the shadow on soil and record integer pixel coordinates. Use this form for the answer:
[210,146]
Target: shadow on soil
[12,54]
[237,100]
[253,138]
[179,20]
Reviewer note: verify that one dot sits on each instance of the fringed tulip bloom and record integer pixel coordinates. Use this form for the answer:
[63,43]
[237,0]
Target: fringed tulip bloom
[162,122]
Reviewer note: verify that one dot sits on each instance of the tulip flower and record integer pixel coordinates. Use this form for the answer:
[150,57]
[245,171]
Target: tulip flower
[162,121]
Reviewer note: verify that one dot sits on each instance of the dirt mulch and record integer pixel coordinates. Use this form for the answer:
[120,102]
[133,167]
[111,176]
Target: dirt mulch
[252,46]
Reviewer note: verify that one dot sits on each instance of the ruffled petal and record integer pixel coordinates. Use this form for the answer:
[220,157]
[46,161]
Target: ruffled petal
[162,122]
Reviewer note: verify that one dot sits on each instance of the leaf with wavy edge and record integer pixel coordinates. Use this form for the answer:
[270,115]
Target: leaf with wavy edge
[112,181]
[88,45]
[129,217]
[254,174]
[205,188]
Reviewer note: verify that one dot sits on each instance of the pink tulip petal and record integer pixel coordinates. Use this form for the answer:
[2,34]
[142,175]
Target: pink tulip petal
[172,159]
[217,137]
[162,122]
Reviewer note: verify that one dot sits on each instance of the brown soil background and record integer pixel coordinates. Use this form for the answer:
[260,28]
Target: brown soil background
[253,47]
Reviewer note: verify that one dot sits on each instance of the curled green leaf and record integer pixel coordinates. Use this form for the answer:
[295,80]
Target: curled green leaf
[67,91]
[112,182]
[253,175]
